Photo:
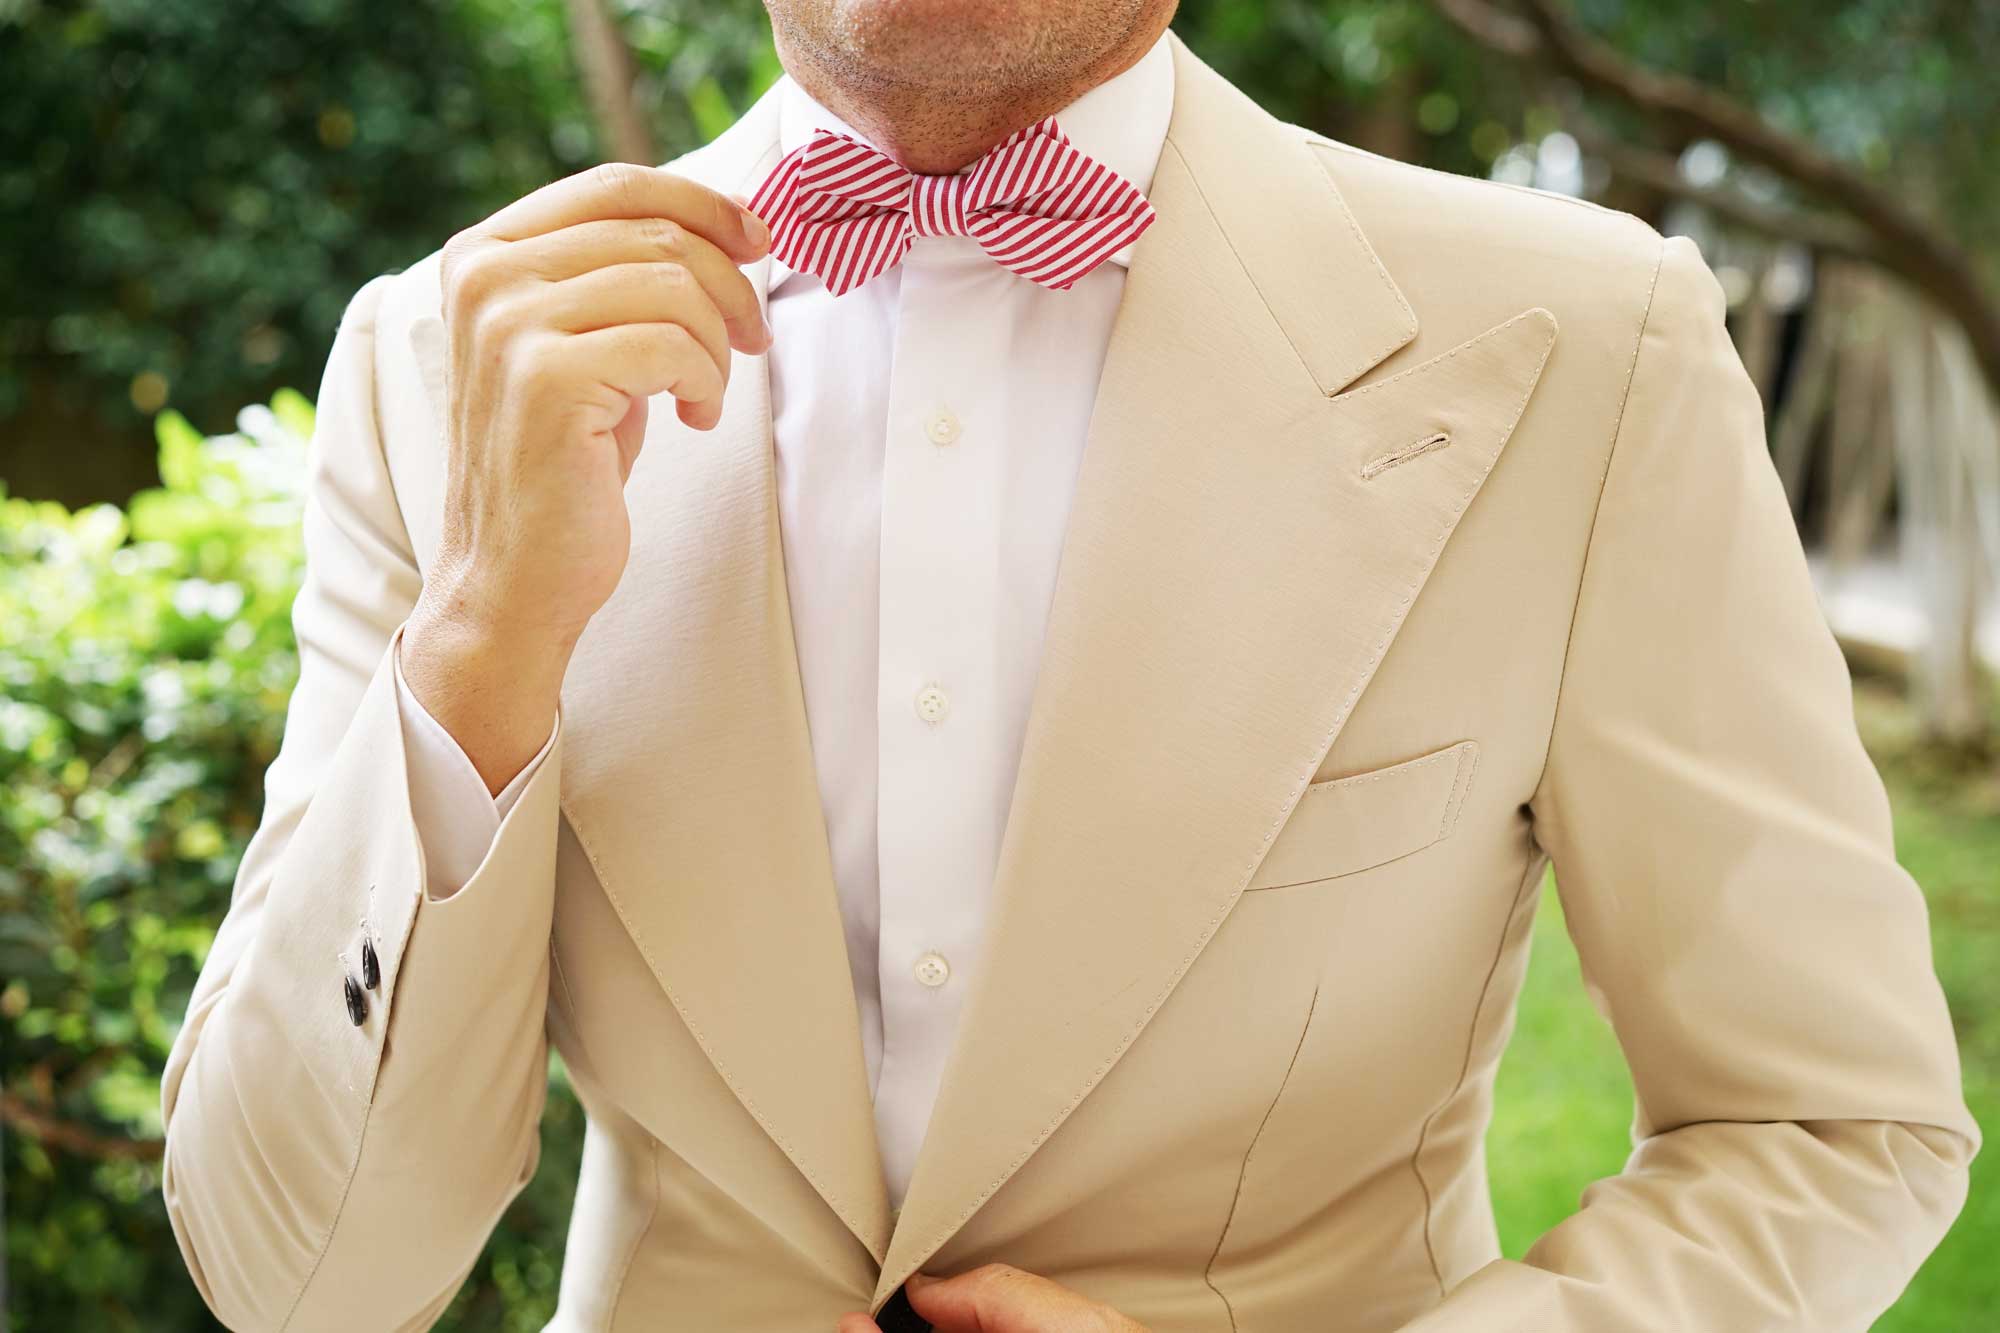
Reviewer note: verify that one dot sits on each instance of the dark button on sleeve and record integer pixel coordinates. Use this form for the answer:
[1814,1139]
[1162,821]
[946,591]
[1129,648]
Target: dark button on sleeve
[371,966]
[357,1004]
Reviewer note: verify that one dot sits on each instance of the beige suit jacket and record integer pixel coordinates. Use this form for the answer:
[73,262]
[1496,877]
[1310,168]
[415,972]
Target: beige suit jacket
[1425,534]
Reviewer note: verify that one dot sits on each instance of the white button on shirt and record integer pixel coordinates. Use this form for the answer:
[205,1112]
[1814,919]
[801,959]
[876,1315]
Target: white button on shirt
[920,578]
[933,970]
[932,704]
[943,427]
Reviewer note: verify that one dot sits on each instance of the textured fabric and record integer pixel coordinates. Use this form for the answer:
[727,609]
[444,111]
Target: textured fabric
[1400,490]
[847,211]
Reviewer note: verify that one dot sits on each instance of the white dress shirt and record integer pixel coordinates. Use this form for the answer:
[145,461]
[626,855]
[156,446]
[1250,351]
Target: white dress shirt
[928,428]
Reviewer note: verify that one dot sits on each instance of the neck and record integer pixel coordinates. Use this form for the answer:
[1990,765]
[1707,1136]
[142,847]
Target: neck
[933,137]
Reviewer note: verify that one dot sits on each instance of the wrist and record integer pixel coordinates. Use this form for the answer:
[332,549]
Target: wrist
[495,691]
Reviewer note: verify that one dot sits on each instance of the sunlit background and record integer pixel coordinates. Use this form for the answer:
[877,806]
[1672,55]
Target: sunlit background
[190,190]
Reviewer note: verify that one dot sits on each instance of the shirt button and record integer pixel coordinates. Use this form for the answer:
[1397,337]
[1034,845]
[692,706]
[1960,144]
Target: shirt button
[942,427]
[933,970]
[932,704]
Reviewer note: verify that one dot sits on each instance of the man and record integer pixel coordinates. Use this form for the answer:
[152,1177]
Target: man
[1037,771]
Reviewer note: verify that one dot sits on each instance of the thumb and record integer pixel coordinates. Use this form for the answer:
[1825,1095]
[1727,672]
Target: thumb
[995,1298]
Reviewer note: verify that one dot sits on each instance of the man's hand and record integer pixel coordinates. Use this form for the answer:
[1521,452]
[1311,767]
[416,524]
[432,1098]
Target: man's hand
[998,1298]
[564,312]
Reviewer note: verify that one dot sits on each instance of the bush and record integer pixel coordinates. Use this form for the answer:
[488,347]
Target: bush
[146,657]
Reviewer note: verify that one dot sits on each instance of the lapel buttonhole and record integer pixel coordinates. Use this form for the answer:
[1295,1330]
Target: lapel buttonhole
[1375,466]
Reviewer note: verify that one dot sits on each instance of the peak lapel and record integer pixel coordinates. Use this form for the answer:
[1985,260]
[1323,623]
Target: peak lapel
[688,777]
[1241,550]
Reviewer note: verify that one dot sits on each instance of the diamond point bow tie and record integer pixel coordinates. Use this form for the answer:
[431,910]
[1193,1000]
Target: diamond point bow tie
[1037,205]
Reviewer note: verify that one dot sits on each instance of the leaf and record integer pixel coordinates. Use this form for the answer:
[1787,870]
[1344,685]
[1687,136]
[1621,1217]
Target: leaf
[710,107]
[294,412]
[180,450]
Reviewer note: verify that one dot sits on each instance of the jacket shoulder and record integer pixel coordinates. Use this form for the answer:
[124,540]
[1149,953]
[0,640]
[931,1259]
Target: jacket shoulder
[1492,217]
[1469,253]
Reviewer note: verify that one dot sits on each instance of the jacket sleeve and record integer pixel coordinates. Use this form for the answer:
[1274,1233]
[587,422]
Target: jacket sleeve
[324,1173]
[1722,849]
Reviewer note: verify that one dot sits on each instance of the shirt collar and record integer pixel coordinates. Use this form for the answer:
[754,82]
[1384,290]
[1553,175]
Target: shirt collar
[1122,123]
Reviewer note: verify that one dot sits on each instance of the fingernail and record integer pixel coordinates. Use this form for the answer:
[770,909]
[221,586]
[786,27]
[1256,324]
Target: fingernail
[754,230]
[918,1280]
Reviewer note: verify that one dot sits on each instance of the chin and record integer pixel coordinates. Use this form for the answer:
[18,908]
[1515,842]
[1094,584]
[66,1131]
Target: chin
[911,36]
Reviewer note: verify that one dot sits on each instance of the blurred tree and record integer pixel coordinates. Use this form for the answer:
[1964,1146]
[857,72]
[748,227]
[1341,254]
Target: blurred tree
[1877,200]
[605,63]
[191,189]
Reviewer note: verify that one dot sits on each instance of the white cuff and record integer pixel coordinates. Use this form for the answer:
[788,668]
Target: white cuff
[456,818]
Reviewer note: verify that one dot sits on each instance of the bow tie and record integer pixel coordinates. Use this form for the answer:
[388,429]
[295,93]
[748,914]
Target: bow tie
[1038,206]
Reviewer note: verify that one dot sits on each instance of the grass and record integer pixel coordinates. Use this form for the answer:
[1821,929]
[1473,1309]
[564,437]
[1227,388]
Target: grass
[1564,1102]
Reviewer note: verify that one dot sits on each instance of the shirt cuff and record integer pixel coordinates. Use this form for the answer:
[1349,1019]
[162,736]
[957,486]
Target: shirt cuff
[455,817]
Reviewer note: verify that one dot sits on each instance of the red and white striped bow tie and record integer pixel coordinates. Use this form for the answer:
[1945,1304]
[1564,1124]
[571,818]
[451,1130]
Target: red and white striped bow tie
[1042,209]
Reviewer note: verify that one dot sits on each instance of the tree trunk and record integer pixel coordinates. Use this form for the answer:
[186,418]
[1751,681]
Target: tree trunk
[1811,393]
[1940,537]
[605,62]
[1863,423]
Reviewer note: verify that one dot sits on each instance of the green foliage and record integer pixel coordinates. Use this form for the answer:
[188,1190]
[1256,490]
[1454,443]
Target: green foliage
[1902,89]
[1388,75]
[191,189]
[146,660]
[700,64]
[146,657]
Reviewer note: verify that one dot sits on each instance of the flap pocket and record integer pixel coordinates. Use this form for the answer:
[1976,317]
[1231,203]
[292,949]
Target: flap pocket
[1344,825]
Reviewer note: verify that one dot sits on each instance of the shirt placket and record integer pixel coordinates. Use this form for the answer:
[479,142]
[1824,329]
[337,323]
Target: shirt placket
[938,695]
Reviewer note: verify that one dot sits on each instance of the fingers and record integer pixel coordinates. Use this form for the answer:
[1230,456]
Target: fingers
[999,1298]
[633,361]
[856,1323]
[623,190]
[605,242]
[996,1298]
[634,294]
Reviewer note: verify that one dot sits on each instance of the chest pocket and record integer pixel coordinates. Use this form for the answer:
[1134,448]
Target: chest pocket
[1346,825]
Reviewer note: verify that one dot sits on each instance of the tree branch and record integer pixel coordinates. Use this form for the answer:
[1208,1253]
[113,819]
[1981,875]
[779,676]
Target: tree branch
[1493,28]
[1832,236]
[1903,242]
[74,1139]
